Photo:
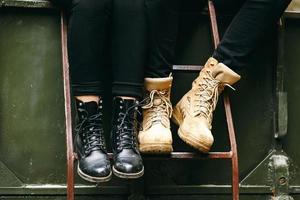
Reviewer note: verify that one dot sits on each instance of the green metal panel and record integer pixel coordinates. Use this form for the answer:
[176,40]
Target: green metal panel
[291,143]
[32,122]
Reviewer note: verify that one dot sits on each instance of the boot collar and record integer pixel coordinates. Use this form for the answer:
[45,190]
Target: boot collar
[158,83]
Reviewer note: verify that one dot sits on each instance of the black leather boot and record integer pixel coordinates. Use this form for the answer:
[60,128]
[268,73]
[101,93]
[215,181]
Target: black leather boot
[127,159]
[93,162]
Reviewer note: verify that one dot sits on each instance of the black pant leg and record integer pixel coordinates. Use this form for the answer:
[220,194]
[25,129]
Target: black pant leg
[162,19]
[129,45]
[87,35]
[66,4]
[247,29]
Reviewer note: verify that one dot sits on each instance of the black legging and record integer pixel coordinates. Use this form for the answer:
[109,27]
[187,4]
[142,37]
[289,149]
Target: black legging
[90,23]
[127,26]
[243,35]
[247,29]
[162,17]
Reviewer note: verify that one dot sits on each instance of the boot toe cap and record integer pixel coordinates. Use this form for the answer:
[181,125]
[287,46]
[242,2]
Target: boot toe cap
[155,135]
[129,165]
[128,162]
[197,135]
[101,168]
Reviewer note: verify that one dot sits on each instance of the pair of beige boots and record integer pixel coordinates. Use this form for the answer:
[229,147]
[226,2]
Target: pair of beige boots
[193,113]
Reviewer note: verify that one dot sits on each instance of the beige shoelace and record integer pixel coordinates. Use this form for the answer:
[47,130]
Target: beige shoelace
[207,96]
[158,113]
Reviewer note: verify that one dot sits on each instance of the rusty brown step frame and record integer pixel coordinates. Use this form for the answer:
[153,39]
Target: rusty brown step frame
[232,154]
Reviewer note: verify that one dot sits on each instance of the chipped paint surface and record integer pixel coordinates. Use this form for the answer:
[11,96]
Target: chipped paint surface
[26,3]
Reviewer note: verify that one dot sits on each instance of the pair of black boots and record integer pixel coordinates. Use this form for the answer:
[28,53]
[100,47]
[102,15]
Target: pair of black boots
[93,162]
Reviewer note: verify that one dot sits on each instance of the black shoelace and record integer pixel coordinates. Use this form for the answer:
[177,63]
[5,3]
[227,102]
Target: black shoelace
[126,138]
[92,132]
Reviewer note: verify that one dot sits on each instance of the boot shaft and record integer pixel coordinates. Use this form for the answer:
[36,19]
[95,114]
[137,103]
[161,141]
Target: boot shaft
[158,108]
[88,109]
[162,86]
[124,124]
[89,134]
[206,88]
[121,106]
[219,72]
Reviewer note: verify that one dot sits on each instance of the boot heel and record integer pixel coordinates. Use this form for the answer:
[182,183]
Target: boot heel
[177,116]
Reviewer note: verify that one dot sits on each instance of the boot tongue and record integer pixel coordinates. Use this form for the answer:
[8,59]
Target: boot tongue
[125,103]
[157,101]
[128,103]
[91,107]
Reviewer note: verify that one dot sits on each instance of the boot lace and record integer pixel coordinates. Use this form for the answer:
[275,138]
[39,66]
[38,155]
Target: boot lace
[92,132]
[207,96]
[208,92]
[126,138]
[158,112]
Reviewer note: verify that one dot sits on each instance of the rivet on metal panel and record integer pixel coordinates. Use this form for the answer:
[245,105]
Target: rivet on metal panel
[279,172]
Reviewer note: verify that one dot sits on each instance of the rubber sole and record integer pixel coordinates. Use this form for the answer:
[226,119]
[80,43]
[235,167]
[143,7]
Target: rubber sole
[92,178]
[156,148]
[197,144]
[128,175]
[177,118]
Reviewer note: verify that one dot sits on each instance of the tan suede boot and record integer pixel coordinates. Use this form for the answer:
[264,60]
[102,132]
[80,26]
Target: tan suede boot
[194,112]
[156,136]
